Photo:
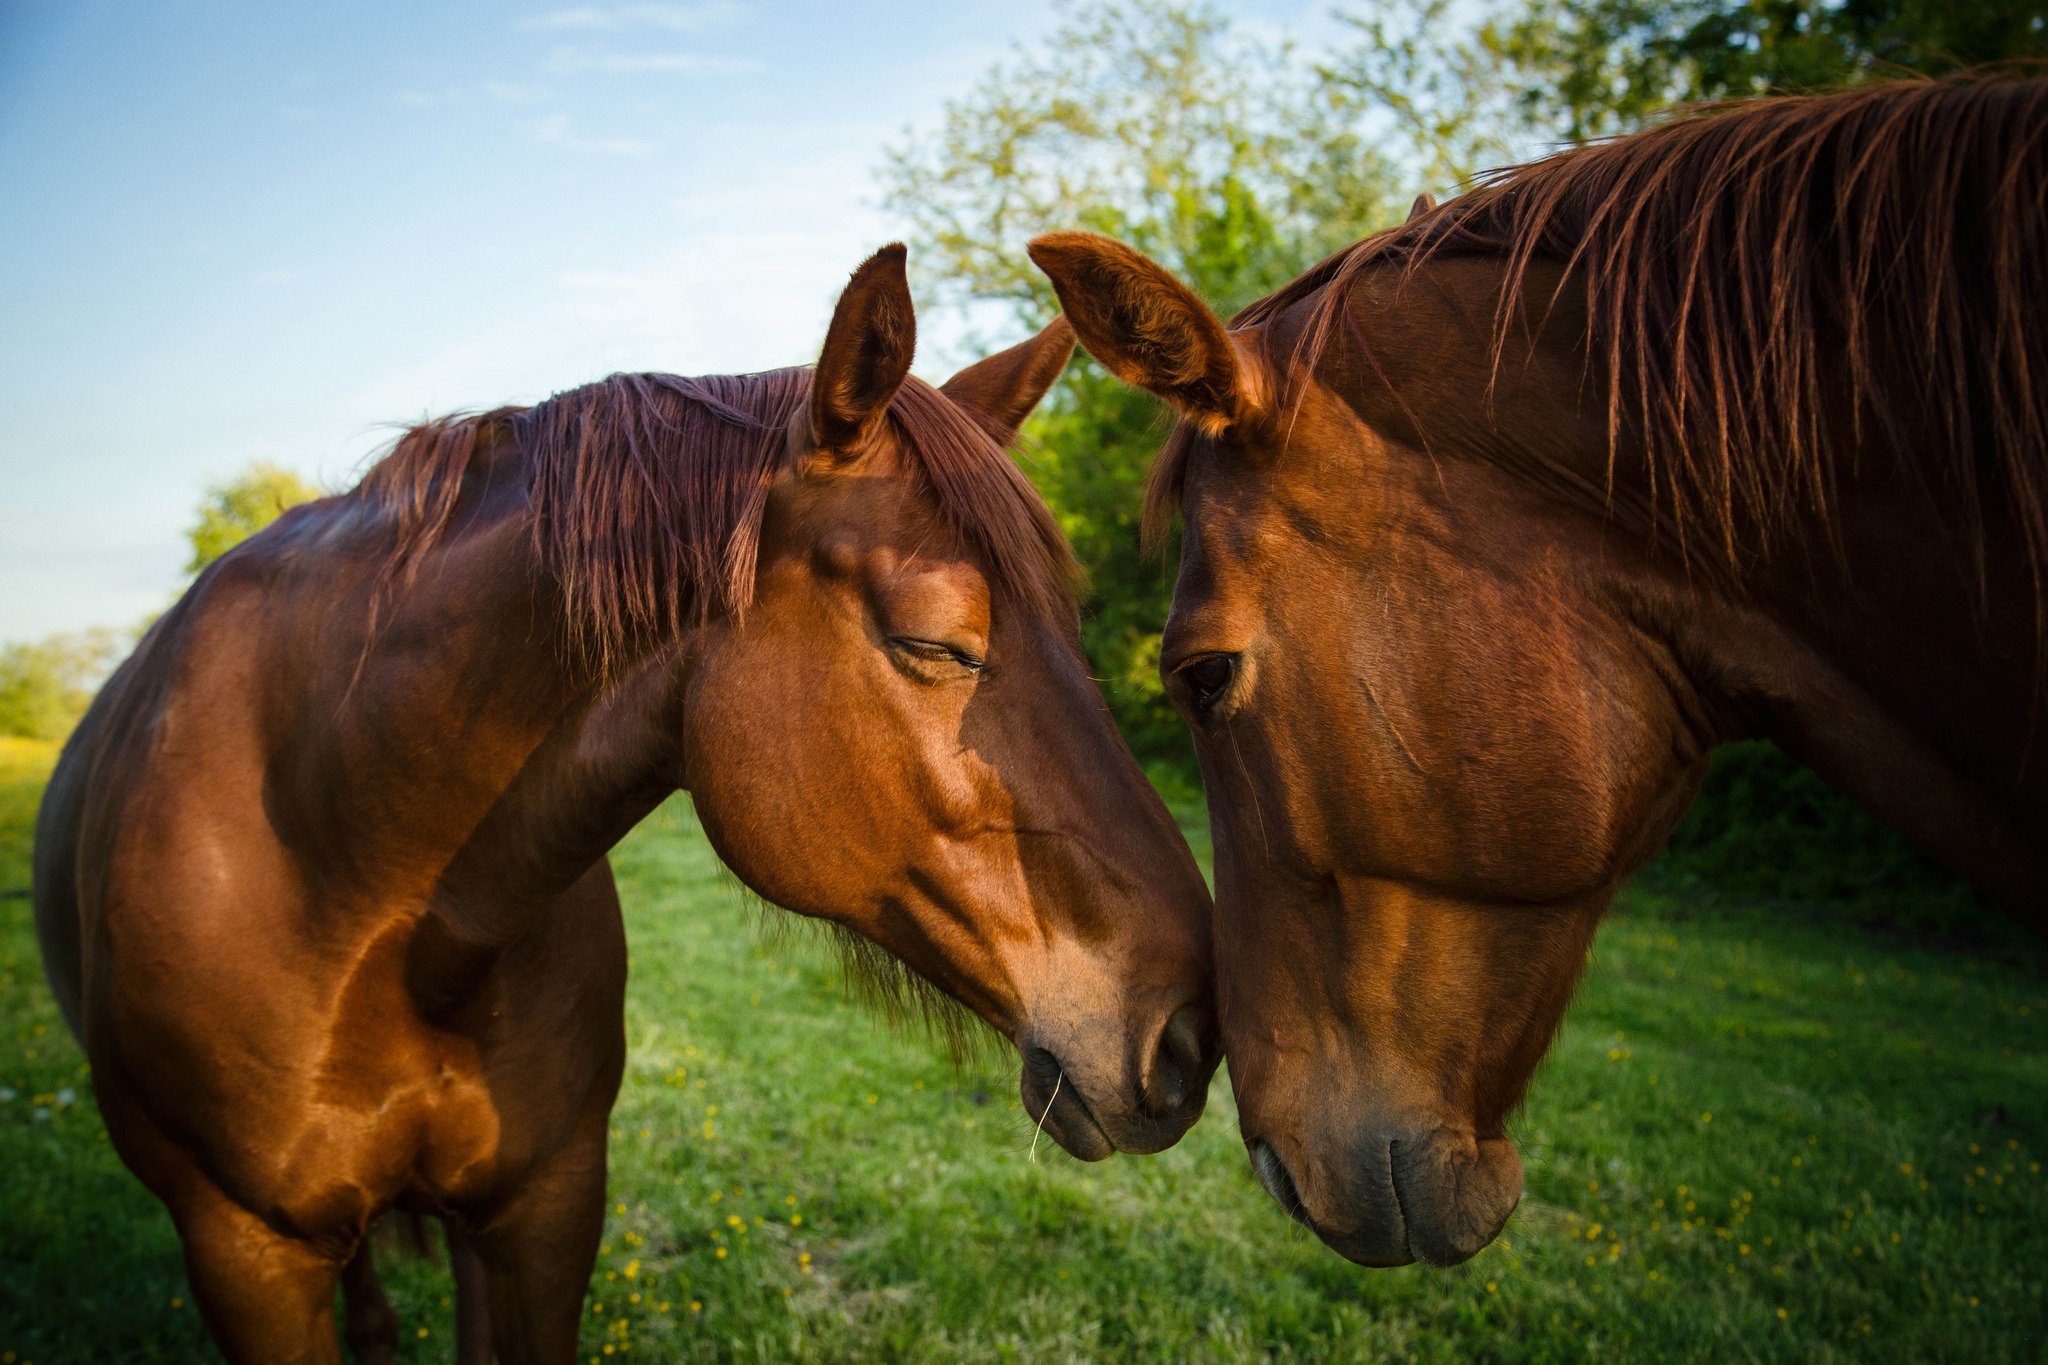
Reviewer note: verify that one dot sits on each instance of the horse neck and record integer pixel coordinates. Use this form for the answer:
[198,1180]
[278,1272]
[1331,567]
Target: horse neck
[454,750]
[457,760]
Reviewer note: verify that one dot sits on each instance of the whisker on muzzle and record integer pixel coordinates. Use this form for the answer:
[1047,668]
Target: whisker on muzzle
[1048,1112]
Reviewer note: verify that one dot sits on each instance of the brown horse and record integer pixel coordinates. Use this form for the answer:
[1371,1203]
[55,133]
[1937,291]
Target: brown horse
[321,884]
[1498,522]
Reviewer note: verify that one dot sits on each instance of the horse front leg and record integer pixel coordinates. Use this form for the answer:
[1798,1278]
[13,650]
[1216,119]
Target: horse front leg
[538,1246]
[472,1298]
[370,1324]
[267,1299]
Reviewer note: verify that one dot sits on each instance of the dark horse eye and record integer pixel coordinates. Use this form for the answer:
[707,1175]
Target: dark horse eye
[1208,678]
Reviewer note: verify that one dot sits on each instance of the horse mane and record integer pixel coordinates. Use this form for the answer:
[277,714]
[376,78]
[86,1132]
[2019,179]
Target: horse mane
[1743,258]
[647,492]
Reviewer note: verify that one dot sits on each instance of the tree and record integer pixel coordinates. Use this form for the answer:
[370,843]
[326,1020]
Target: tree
[1230,161]
[45,687]
[1438,88]
[1536,70]
[240,507]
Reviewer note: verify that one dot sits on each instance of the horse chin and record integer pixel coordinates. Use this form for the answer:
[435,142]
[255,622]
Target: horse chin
[1438,1198]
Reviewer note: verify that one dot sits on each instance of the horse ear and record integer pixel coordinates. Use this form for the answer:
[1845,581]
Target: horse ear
[1006,386]
[867,352]
[1424,202]
[1147,327]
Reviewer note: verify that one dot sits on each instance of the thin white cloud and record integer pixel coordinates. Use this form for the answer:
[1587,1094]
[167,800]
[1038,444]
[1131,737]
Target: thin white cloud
[611,18]
[586,17]
[554,132]
[428,99]
[506,93]
[571,61]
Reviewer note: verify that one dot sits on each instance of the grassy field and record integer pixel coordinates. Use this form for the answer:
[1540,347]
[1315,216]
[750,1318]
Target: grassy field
[1761,1137]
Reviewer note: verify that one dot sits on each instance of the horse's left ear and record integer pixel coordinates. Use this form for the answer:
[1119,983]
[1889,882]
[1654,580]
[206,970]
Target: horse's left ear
[1147,328]
[1006,386]
[867,353]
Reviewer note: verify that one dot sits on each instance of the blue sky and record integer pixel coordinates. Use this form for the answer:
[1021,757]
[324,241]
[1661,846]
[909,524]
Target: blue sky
[260,231]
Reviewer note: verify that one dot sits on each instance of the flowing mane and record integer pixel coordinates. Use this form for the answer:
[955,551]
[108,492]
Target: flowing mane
[647,493]
[1742,263]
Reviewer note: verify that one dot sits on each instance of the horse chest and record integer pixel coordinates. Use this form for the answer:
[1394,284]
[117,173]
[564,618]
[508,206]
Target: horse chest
[310,1088]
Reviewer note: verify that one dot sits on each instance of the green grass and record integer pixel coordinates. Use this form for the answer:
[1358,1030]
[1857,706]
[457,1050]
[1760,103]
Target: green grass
[793,1181]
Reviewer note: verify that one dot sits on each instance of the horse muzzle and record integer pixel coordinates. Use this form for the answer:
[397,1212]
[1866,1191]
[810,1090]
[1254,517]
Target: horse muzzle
[1140,1102]
[1435,1196]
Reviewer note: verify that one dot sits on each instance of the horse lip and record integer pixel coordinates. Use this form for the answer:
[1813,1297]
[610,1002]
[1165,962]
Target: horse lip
[1037,1061]
[1279,1184]
[1400,1204]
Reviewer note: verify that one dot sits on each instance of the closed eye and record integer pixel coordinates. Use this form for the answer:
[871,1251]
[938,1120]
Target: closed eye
[931,651]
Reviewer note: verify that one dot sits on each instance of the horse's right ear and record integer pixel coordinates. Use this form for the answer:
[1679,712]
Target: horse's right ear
[867,353]
[1006,386]
[1147,327]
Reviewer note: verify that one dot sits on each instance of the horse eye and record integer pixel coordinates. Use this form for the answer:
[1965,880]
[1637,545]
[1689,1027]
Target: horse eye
[1209,677]
[933,652]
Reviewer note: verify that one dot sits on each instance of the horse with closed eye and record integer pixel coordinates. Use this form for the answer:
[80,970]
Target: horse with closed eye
[321,878]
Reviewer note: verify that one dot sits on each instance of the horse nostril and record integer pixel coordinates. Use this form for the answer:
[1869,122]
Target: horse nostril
[1177,1064]
[1042,1067]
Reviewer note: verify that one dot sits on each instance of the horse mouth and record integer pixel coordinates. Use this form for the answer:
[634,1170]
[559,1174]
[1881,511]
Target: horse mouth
[1273,1175]
[1374,1250]
[1060,1110]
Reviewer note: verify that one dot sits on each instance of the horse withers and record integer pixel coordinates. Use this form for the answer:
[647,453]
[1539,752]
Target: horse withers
[320,880]
[1498,522]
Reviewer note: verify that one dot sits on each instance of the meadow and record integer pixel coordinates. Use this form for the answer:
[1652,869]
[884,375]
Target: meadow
[1763,1135]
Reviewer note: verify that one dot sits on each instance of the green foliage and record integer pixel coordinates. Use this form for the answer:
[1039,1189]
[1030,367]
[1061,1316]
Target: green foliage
[1766,828]
[46,686]
[1228,160]
[1152,121]
[1738,1080]
[1090,447]
[239,508]
[1413,65]
[1587,67]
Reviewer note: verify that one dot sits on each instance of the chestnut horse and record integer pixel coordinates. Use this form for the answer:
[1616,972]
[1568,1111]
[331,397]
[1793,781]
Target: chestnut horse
[1498,522]
[321,879]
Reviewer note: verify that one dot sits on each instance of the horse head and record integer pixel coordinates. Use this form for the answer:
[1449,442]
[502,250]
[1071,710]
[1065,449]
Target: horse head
[899,733]
[1431,751]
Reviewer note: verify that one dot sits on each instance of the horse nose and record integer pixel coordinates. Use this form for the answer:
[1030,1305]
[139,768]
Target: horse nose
[1182,1061]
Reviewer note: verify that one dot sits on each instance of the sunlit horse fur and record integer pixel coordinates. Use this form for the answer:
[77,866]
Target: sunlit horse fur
[1496,524]
[320,881]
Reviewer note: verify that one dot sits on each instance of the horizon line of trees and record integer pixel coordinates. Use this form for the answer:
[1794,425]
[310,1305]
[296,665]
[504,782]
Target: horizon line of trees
[46,684]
